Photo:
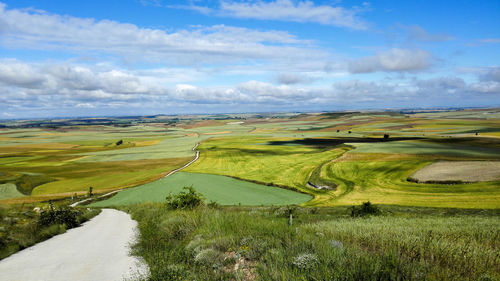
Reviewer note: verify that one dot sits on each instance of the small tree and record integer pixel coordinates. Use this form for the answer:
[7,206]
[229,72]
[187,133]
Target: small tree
[90,194]
[386,136]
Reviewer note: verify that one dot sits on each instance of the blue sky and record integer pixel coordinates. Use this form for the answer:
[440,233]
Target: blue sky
[129,57]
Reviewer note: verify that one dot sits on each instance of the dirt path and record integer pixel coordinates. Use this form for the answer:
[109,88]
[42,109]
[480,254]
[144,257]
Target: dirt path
[98,250]
[170,173]
[189,163]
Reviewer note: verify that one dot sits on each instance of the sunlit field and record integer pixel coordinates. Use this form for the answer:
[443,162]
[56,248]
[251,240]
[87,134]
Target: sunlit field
[280,195]
[359,156]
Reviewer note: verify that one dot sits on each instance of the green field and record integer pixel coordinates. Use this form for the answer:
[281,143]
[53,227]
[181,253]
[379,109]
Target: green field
[344,150]
[260,169]
[219,189]
[257,160]
[376,177]
[383,179]
[9,190]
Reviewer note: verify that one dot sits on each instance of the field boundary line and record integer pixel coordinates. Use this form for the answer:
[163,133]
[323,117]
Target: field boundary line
[170,173]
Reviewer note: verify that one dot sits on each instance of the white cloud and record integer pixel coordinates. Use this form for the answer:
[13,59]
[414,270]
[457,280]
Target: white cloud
[84,105]
[40,30]
[393,60]
[81,87]
[13,72]
[296,11]
[486,87]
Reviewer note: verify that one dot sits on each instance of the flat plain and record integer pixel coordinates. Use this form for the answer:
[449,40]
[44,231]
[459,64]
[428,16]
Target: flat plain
[431,219]
[360,156]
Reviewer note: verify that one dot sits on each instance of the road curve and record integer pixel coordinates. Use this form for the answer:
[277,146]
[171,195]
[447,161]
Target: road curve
[189,163]
[98,250]
[197,155]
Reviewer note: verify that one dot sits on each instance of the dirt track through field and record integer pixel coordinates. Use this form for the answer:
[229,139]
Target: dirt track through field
[98,250]
[197,155]
[189,163]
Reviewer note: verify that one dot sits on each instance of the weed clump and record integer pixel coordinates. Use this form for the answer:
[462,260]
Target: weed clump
[207,256]
[365,209]
[188,199]
[305,261]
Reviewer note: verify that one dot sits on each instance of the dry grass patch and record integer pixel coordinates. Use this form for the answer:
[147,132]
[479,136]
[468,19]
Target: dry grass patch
[467,171]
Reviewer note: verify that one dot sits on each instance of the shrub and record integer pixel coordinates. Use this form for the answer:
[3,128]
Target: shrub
[185,200]
[367,208]
[65,216]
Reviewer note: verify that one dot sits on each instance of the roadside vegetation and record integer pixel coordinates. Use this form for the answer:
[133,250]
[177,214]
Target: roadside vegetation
[24,225]
[392,243]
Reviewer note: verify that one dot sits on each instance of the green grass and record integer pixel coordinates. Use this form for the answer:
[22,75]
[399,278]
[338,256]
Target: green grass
[254,159]
[324,244]
[220,189]
[176,146]
[360,176]
[382,178]
[77,157]
[9,190]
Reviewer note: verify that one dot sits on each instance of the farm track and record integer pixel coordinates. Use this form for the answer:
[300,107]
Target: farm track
[196,157]
[98,250]
[189,163]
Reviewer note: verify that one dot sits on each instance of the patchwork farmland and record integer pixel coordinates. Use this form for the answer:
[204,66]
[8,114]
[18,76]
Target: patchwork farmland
[364,156]
[315,166]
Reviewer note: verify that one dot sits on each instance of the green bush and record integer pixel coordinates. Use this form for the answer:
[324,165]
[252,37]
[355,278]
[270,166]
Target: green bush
[65,216]
[185,200]
[367,208]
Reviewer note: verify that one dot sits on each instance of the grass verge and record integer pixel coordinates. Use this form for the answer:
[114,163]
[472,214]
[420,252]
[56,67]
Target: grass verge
[322,244]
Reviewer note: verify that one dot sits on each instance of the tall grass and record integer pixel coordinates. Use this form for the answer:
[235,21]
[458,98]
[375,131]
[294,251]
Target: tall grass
[259,244]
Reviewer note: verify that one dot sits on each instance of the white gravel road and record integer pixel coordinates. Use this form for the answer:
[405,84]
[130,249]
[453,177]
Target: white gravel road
[98,250]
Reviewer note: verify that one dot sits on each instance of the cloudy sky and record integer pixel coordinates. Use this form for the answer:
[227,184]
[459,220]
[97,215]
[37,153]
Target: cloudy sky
[131,57]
